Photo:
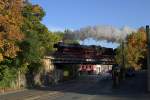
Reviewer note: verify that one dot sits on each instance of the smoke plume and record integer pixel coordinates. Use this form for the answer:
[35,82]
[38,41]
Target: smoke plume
[101,32]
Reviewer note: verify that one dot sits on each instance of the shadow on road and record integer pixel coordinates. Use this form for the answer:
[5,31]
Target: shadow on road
[91,87]
[129,88]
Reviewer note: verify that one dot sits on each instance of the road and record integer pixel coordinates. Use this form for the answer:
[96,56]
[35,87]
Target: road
[87,88]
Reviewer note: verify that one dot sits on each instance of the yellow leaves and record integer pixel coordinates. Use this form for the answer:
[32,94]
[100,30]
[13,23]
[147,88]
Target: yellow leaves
[1,44]
[10,49]
[1,57]
[15,33]
[138,39]
[134,49]
[1,5]
[1,40]
[12,21]
[10,24]
[36,9]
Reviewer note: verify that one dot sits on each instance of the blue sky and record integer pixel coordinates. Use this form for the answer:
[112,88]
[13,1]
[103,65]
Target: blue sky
[74,14]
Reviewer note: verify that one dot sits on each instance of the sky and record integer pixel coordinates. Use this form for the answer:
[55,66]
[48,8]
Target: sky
[75,14]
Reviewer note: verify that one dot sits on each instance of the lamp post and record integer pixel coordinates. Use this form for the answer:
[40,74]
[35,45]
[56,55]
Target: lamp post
[148,57]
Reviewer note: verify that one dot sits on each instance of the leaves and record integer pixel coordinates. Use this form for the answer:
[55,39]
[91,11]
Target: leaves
[134,50]
[24,40]
[38,39]
[10,23]
[1,57]
[7,76]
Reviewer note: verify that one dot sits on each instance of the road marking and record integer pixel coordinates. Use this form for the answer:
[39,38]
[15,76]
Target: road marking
[47,94]
[32,98]
[11,92]
[55,94]
[53,97]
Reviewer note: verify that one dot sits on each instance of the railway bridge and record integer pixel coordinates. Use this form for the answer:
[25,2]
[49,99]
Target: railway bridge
[82,54]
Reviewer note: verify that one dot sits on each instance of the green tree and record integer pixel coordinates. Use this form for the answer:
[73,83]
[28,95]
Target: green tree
[39,40]
[68,38]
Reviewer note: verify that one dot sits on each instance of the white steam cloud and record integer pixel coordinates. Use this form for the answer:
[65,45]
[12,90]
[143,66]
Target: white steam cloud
[101,32]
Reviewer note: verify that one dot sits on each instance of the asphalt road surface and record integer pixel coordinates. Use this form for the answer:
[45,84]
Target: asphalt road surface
[88,88]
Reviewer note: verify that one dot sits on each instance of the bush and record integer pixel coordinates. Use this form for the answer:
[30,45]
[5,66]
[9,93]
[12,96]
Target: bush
[7,76]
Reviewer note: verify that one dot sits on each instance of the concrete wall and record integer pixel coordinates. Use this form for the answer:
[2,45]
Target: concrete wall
[51,74]
[48,65]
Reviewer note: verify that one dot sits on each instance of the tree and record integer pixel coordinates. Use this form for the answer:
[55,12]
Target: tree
[134,49]
[38,39]
[10,36]
[24,40]
[69,38]
[10,23]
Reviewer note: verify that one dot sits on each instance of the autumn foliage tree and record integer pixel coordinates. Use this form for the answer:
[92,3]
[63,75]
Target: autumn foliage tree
[10,36]
[134,50]
[24,41]
[10,23]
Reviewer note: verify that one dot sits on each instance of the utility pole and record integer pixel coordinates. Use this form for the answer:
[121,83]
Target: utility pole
[123,63]
[148,57]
